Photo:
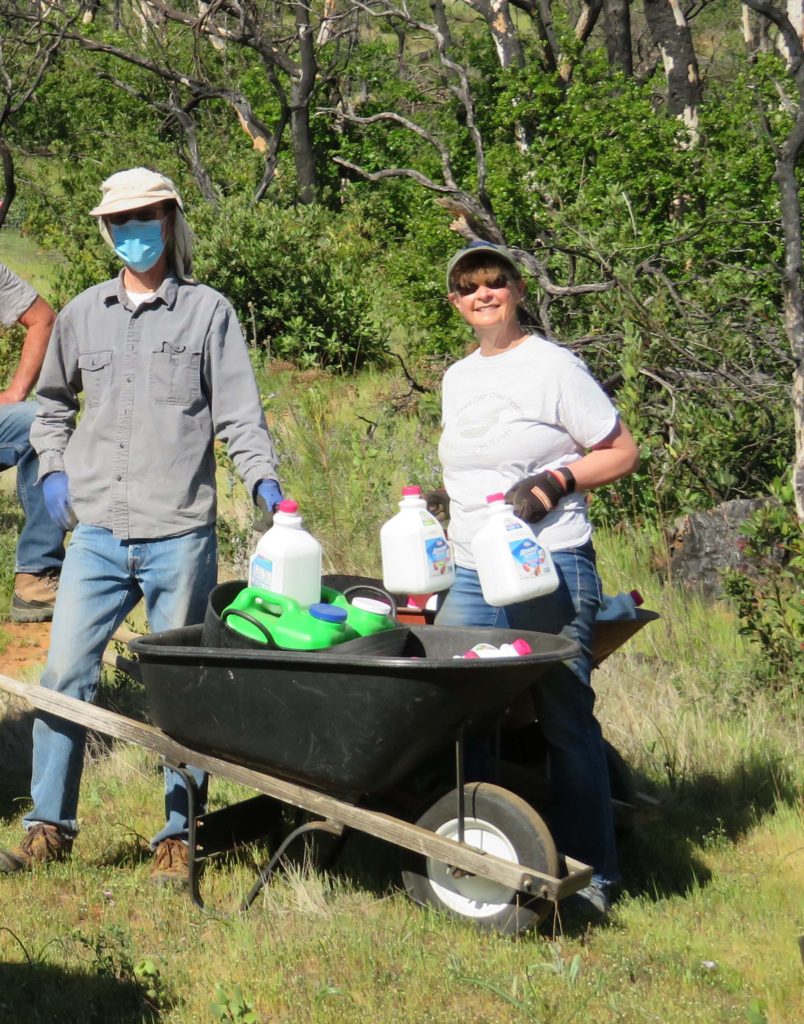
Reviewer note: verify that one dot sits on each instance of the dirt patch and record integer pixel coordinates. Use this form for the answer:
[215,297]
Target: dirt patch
[24,647]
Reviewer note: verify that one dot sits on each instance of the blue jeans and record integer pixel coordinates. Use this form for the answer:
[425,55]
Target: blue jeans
[41,543]
[581,817]
[102,580]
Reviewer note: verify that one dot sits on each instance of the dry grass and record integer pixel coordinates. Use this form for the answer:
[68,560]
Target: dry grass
[707,930]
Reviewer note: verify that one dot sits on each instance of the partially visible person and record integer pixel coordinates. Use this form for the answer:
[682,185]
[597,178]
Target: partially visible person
[40,549]
[164,370]
[523,416]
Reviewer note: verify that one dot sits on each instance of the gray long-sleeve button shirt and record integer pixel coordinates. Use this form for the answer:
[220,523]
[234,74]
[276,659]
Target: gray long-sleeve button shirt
[160,381]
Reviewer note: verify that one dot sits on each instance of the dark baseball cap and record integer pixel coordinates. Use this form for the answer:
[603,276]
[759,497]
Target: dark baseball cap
[481,246]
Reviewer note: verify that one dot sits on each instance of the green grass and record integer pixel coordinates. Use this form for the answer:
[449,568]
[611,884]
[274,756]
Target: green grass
[324,948]
[707,929]
[22,255]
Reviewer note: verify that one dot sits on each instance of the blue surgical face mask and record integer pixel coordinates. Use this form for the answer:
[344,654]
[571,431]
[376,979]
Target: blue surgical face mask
[138,243]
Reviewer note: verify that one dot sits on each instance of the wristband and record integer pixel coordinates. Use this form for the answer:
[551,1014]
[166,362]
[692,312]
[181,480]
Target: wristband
[565,475]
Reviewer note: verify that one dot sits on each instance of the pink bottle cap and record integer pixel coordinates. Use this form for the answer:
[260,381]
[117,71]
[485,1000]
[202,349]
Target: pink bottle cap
[411,491]
[495,497]
[637,598]
[522,646]
[288,505]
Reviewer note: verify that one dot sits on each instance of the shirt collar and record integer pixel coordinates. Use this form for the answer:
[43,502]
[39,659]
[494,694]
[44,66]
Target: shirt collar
[165,293]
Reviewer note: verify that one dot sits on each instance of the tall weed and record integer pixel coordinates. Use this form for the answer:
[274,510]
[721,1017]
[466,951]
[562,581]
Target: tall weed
[346,454]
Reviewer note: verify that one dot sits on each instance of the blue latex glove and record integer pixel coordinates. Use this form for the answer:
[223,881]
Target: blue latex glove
[267,496]
[56,491]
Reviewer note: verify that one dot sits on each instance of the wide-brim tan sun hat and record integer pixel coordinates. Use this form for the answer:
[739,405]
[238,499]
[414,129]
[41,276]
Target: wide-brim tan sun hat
[134,189]
[476,248]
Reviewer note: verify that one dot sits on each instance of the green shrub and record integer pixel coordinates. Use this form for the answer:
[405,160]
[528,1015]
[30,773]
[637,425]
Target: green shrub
[300,278]
[769,597]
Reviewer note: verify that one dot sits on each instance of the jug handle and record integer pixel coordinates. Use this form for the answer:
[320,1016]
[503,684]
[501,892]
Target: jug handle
[374,590]
[249,618]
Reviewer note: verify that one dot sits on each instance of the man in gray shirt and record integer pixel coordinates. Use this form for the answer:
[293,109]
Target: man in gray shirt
[40,549]
[164,369]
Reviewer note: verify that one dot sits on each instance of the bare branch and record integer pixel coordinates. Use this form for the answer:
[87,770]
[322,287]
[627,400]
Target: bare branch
[411,126]
[394,172]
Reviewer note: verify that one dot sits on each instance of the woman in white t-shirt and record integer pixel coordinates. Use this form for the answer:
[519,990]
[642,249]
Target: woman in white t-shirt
[523,416]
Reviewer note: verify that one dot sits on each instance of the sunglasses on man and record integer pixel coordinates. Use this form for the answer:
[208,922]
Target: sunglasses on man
[144,213]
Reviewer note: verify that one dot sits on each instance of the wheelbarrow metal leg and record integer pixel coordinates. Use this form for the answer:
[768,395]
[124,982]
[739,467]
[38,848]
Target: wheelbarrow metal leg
[332,827]
[192,847]
[459,781]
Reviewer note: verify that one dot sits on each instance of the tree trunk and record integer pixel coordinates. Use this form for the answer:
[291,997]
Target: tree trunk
[584,26]
[755,33]
[790,201]
[504,33]
[300,94]
[795,12]
[671,33]
[785,177]
[617,25]
[440,19]
[9,181]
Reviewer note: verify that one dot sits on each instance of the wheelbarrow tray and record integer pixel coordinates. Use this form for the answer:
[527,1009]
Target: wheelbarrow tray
[611,634]
[352,720]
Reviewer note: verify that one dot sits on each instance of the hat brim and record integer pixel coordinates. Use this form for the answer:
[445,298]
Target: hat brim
[497,251]
[123,204]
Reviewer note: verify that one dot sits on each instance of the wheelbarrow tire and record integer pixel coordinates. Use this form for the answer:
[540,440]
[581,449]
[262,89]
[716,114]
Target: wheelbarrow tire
[500,823]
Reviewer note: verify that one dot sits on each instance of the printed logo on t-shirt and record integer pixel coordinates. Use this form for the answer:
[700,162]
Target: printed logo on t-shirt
[484,422]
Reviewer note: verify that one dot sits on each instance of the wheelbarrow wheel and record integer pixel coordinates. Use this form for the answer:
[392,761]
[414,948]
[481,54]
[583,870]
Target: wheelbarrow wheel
[499,823]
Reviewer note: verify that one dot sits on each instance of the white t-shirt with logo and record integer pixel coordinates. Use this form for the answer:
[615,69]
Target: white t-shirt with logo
[508,416]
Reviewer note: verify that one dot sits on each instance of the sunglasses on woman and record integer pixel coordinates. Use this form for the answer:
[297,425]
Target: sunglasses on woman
[500,281]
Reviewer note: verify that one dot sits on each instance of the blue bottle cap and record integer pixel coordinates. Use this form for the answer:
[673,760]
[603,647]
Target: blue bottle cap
[328,612]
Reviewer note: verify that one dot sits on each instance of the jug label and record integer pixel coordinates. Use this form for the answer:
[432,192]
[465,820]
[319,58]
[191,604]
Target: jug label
[529,558]
[262,573]
[439,556]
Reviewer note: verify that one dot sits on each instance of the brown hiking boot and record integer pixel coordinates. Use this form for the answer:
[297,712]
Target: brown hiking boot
[171,864]
[34,596]
[42,843]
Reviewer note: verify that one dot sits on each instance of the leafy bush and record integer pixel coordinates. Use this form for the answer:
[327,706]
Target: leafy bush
[300,278]
[770,596]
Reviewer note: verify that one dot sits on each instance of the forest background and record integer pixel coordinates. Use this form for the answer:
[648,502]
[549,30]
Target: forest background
[332,156]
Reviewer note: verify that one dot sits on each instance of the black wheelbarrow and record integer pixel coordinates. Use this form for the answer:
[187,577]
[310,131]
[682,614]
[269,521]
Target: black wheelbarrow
[329,732]
[349,724]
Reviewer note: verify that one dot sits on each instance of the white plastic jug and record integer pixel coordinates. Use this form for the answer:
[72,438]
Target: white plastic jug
[416,556]
[510,562]
[288,559]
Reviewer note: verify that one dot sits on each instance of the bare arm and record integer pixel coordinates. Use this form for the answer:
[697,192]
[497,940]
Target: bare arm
[38,320]
[613,458]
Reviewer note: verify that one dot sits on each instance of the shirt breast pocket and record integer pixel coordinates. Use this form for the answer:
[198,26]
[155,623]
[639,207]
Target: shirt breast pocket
[174,377]
[96,371]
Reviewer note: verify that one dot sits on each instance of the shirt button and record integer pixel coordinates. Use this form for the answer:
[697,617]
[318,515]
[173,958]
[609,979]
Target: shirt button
[122,444]
[128,380]
[118,477]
